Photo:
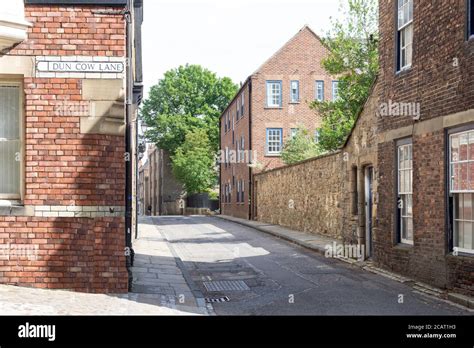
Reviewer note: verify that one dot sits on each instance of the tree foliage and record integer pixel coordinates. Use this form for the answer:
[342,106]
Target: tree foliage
[183,111]
[187,98]
[300,147]
[353,58]
[193,163]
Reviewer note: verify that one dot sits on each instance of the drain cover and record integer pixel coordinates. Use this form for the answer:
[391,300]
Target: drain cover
[226,285]
[217,300]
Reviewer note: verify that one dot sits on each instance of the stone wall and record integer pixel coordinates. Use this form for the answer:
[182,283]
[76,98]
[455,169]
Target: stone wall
[305,197]
[325,195]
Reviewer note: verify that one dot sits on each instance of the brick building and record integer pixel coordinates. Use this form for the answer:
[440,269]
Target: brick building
[68,103]
[402,185]
[161,192]
[269,107]
[425,224]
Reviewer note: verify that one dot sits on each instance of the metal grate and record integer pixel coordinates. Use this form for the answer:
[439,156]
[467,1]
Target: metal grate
[226,285]
[217,300]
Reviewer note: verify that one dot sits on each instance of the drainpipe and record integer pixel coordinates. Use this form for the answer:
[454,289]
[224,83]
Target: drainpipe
[220,166]
[251,200]
[128,144]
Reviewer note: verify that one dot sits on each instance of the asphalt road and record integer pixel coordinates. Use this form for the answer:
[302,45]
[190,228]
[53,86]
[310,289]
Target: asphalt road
[247,272]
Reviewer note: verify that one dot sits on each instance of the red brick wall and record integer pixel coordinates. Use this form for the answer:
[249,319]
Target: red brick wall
[73,31]
[66,168]
[73,253]
[441,80]
[299,59]
[240,171]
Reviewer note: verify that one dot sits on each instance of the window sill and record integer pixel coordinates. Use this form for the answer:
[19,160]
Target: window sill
[15,208]
[273,155]
[404,71]
[403,246]
[461,256]
[295,102]
[273,108]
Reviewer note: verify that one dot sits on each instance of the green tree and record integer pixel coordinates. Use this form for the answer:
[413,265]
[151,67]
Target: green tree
[194,162]
[300,147]
[187,98]
[353,58]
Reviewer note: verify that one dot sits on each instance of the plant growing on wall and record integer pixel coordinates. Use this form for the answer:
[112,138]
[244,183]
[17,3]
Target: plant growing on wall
[353,60]
[299,147]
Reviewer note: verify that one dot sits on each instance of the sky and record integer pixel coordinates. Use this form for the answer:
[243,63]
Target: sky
[229,37]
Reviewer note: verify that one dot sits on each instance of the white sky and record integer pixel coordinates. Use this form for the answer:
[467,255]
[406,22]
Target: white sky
[229,37]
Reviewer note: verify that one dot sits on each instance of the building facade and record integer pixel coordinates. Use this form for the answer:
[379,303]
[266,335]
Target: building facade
[267,110]
[161,193]
[401,186]
[68,101]
[426,142]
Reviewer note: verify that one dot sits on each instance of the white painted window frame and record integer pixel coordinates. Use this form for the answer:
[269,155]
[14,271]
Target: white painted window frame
[21,194]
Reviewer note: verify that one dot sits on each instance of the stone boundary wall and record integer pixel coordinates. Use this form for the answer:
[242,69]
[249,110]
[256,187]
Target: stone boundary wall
[305,196]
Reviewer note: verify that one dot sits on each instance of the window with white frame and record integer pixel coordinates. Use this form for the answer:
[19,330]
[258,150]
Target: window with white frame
[470,19]
[238,191]
[405,190]
[242,149]
[293,132]
[316,136]
[242,191]
[335,90]
[462,189]
[227,157]
[294,91]
[242,104]
[10,141]
[274,140]
[274,97]
[320,91]
[405,34]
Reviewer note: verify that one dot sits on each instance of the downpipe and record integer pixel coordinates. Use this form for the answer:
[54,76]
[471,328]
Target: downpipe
[129,256]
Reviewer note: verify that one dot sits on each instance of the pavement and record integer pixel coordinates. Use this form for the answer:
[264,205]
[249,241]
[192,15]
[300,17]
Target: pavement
[157,275]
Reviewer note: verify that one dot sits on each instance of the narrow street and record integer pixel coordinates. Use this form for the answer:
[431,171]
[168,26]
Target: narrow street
[241,271]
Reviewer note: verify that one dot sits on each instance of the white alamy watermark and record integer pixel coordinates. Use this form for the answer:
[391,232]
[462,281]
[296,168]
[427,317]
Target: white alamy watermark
[350,251]
[237,156]
[19,251]
[37,331]
[394,108]
[69,108]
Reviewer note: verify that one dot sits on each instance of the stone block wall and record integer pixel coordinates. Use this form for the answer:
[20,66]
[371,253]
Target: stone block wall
[306,197]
